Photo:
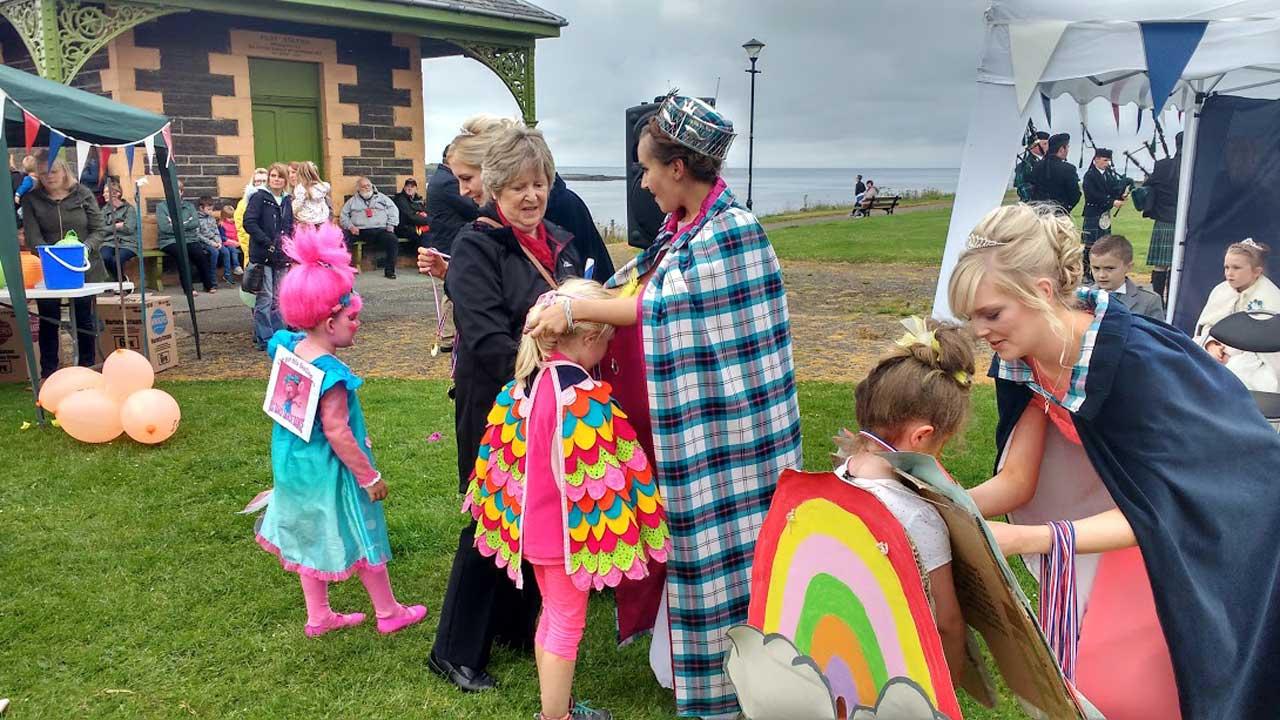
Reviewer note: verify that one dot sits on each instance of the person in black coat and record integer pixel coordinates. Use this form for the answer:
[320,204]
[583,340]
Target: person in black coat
[268,218]
[413,212]
[447,209]
[1099,200]
[1054,179]
[566,209]
[1162,206]
[493,281]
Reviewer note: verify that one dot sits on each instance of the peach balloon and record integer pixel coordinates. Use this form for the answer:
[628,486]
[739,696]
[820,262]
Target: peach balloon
[150,416]
[32,270]
[127,372]
[90,416]
[66,381]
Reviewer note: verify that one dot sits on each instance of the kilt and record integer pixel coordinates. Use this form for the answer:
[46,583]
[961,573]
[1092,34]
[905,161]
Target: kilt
[1160,253]
[1090,232]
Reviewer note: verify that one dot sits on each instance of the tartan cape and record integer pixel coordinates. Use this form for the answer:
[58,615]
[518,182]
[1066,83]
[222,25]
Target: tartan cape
[726,423]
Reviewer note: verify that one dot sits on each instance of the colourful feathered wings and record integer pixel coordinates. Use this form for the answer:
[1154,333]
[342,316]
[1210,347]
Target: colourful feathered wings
[615,519]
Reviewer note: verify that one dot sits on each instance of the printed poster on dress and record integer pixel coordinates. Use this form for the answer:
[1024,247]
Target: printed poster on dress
[293,394]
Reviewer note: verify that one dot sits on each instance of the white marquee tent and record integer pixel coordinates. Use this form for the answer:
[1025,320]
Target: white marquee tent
[1092,49]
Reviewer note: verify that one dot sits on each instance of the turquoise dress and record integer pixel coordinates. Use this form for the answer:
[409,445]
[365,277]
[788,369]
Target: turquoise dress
[320,522]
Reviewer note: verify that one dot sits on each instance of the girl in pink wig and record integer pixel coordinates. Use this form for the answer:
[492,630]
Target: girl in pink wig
[324,518]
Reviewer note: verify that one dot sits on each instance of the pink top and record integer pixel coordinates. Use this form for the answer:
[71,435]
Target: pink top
[334,415]
[233,235]
[543,512]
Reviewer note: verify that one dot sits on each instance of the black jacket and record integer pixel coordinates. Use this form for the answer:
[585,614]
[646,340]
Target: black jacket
[566,209]
[447,210]
[1097,192]
[412,211]
[267,223]
[1162,203]
[1055,180]
[492,284]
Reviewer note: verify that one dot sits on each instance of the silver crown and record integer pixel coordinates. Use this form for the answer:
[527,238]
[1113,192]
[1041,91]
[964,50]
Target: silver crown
[1248,242]
[978,241]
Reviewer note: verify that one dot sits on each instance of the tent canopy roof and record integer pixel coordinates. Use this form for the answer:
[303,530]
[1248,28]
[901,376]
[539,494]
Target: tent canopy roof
[77,113]
[1100,54]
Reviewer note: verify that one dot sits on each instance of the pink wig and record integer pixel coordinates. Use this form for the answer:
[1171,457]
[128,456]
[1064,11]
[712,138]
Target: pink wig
[321,278]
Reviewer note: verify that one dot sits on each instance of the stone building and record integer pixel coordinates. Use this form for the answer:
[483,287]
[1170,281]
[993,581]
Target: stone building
[248,82]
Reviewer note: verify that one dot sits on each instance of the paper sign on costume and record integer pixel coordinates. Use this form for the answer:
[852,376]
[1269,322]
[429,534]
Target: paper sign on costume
[293,395]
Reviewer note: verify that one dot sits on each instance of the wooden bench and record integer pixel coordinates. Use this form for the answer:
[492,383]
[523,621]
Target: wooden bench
[357,248]
[887,203]
[154,260]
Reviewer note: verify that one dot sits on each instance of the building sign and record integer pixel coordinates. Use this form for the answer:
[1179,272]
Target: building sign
[282,47]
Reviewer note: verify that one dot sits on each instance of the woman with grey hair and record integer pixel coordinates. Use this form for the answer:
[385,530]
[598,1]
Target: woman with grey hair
[501,263]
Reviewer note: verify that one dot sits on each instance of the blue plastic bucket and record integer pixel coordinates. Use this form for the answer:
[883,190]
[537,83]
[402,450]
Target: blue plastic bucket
[64,266]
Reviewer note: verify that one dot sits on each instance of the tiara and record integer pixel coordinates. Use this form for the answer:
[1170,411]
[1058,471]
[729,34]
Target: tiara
[978,241]
[1249,243]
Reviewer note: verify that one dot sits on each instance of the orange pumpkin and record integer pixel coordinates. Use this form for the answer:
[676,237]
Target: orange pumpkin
[32,273]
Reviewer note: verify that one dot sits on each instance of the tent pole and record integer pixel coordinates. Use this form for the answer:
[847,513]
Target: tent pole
[1189,137]
[142,276]
[11,261]
[170,178]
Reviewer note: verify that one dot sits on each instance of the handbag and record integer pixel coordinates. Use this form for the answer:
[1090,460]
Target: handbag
[253,279]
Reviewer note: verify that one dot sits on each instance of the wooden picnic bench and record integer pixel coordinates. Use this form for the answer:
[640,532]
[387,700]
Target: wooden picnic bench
[887,203]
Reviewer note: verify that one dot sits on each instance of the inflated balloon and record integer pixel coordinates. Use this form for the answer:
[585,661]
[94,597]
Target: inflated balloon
[150,416]
[248,298]
[66,381]
[90,416]
[127,372]
[32,271]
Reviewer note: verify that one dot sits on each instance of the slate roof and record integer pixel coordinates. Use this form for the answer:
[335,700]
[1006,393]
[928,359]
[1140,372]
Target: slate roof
[508,9]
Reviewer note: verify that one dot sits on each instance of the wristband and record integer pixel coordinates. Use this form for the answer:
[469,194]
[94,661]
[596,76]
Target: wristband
[568,314]
[376,479]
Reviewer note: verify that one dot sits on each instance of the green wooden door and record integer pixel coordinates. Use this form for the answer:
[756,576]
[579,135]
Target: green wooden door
[286,111]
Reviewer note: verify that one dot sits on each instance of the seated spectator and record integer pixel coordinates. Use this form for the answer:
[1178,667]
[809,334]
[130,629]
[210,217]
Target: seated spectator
[1246,288]
[413,213]
[862,203]
[1112,261]
[167,241]
[120,221]
[371,217]
[230,232]
[210,233]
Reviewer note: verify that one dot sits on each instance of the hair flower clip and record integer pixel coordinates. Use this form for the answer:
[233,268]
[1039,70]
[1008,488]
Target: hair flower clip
[918,333]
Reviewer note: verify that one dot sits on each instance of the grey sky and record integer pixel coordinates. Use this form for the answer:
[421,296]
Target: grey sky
[845,83]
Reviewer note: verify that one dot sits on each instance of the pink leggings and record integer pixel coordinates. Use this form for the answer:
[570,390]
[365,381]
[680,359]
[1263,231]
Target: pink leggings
[564,612]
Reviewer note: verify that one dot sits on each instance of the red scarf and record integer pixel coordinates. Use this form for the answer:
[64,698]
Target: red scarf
[536,243]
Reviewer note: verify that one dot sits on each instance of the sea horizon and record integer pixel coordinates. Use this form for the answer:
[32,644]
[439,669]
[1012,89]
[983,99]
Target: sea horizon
[773,190]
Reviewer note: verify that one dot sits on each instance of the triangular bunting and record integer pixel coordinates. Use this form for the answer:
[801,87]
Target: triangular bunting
[128,157]
[1115,112]
[82,157]
[1168,47]
[1139,120]
[149,143]
[32,126]
[55,145]
[104,155]
[168,144]
[1031,45]
[1048,109]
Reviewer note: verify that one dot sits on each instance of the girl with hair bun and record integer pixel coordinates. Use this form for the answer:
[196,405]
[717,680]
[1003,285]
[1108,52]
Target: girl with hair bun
[1139,480]
[1245,289]
[324,519]
[915,400]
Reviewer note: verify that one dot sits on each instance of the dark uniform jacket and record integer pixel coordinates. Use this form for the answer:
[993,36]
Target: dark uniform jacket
[566,209]
[1097,193]
[1056,181]
[1162,203]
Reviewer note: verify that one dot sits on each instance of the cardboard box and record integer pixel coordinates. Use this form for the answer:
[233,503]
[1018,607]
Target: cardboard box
[13,358]
[125,321]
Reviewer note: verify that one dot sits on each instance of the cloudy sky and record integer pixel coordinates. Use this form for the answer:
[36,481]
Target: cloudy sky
[845,83]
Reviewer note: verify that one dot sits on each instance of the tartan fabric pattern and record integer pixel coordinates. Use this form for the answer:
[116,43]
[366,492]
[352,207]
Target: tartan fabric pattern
[726,423]
[1160,252]
[1019,371]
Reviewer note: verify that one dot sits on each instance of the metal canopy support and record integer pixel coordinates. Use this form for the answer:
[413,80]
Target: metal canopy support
[514,65]
[62,35]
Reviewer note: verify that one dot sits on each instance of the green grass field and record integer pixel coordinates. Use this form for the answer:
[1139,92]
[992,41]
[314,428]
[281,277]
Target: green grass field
[132,590]
[915,238]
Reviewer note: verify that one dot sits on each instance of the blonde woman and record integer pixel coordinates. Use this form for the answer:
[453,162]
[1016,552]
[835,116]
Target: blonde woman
[1125,444]
[257,180]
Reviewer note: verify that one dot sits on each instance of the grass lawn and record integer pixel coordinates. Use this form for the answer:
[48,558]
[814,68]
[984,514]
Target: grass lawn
[132,590]
[915,238]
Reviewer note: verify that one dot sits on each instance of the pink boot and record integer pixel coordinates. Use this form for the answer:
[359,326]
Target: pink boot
[408,615]
[335,621]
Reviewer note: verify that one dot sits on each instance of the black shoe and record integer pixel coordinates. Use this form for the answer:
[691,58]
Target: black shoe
[465,678]
[390,275]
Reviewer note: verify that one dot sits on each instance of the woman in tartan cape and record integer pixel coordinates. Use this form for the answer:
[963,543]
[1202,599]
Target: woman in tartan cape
[702,364]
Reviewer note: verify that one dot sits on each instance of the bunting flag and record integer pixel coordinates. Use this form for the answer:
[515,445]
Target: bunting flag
[1115,112]
[1168,47]
[168,144]
[55,145]
[1048,109]
[128,156]
[1031,45]
[82,157]
[32,126]
[1139,120]
[104,155]
[150,144]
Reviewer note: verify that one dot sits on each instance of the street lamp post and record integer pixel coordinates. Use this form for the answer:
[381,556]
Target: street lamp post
[753,48]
